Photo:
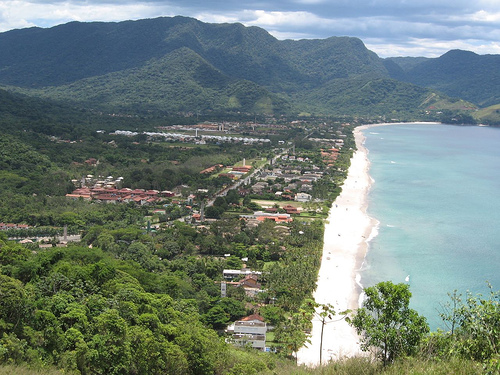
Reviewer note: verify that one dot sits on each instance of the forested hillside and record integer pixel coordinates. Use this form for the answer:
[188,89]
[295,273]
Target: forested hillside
[459,74]
[181,65]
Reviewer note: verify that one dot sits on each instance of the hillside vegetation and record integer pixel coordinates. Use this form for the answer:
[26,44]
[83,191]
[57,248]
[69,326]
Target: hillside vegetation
[181,65]
[459,74]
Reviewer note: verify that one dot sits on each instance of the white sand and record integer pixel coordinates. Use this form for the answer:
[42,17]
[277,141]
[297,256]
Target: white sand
[345,244]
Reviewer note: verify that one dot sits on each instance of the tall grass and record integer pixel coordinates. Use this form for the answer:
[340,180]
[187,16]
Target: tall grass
[21,370]
[364,366]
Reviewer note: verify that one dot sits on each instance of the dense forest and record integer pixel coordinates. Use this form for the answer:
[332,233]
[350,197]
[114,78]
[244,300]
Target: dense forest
[177,66]
[136,303]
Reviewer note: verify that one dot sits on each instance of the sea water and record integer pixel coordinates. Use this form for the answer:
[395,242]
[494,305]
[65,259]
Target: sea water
[436,195]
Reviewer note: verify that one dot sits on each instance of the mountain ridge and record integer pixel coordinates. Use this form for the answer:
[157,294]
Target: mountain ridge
[460,73]
[100,65]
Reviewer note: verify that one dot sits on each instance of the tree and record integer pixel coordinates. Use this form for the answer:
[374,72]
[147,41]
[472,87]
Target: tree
[216,317]
[325,313]
[233,262]
[214,212]
[12,301]
[110,345]
[291,333]
[474,325]
[221,202]
[386,322]
[232,197]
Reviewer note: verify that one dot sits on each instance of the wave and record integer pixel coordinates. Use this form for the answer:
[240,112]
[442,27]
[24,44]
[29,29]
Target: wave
[362,295]
[364,265]
[374,231]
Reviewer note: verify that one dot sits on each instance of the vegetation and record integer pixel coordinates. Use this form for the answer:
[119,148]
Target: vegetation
[459,74]
[139,291]
[385,322]
[183,66]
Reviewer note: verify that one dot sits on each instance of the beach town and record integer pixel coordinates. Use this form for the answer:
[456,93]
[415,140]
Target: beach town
[347,233]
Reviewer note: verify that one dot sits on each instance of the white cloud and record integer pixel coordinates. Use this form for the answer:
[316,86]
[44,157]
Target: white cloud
[484,16]
[18,14]
[424,27]
[297,19]
[430,47]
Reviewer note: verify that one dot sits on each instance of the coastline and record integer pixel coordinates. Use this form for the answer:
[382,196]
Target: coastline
[346,238]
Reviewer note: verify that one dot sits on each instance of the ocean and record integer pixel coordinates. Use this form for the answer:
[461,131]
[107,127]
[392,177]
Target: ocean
[435,197]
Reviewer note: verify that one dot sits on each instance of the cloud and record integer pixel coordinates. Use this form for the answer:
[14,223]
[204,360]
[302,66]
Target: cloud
[388,27]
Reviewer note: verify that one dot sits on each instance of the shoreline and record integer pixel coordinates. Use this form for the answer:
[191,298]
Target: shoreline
[347,234]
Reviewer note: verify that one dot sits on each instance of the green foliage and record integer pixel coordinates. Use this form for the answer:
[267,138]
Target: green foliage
[12,302]
[171,65]
[385,322]
[79,311]
[488,115]
[474,326]
[291,333]
[460,74]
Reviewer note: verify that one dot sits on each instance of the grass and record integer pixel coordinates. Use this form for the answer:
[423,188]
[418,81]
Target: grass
[263,363]
[22,370]
[365,366]
[491,114]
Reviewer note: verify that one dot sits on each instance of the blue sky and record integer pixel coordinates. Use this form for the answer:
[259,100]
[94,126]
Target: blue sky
[388,27]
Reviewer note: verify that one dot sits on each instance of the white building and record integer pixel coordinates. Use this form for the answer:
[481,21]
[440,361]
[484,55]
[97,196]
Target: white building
[251,330]
[303,197]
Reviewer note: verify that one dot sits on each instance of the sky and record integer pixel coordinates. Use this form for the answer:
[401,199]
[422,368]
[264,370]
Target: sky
[389,28]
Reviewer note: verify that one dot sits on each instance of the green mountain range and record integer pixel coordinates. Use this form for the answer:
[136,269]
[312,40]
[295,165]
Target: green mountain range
[457,73]
[179,64]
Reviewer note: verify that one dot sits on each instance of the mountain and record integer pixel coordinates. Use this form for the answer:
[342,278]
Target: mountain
[180,64]
[406,63]
[457,73]
[19,113]
[67,53]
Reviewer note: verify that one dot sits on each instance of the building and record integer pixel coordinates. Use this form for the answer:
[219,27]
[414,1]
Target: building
[251,330]
[250,285]
[231,274]
[260,216]
[303,197]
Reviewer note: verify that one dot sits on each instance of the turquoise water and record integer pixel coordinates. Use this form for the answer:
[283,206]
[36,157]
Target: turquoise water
[436,195]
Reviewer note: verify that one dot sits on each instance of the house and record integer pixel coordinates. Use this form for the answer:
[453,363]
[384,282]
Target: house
[289,209]
[305,187]
[303,197]
[288,177]
[251,330]
[259,187]
[92,161]
[250,285]
[230,274]
[244,169]
[107,198]
[167,193]
[261,216]
[242,192]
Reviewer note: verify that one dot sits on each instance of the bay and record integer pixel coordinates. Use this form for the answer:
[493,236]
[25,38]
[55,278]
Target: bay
[435,197]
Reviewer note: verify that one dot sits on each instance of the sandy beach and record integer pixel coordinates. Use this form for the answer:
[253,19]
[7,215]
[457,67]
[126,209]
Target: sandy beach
[346,234]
